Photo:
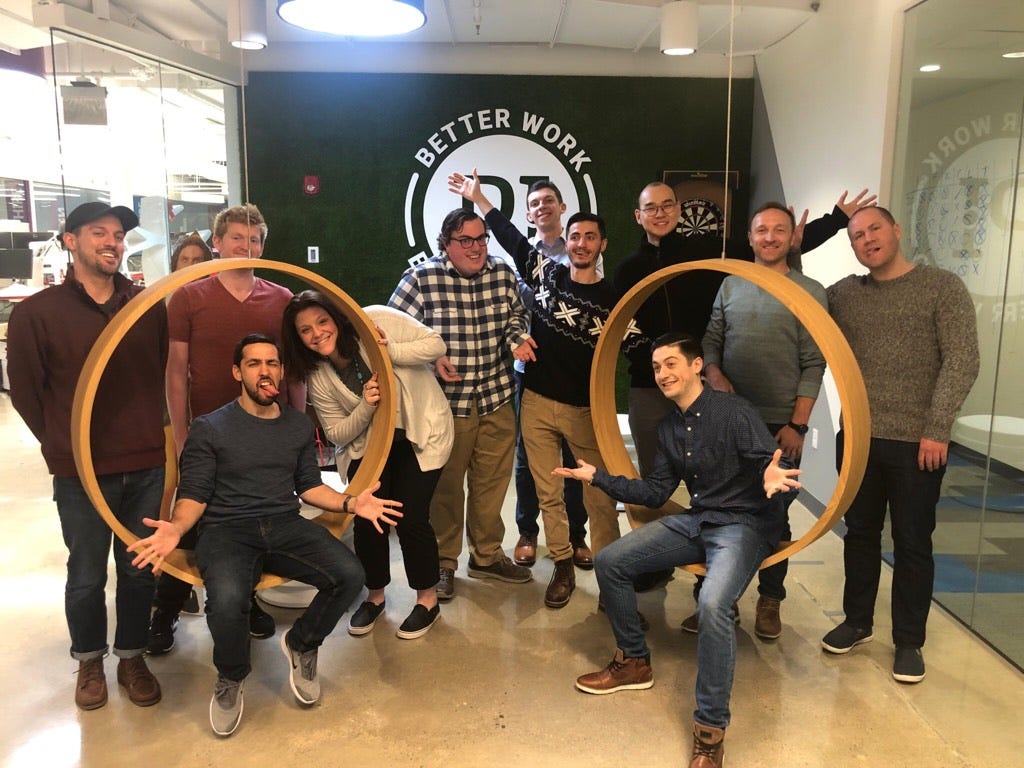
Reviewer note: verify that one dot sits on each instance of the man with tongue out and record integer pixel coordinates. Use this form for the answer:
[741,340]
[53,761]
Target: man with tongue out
[244,468]
[205,320]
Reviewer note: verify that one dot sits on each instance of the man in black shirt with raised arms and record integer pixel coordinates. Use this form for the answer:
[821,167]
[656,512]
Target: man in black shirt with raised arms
[719,445]
[241,468]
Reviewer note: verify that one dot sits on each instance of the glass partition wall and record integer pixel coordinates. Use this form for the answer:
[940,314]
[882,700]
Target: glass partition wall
[957,191]
[104,124]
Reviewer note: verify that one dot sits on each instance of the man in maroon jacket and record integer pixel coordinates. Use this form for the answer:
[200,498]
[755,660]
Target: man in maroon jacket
[50,335]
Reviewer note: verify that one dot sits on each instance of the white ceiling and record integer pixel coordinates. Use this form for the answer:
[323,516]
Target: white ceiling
[557,36]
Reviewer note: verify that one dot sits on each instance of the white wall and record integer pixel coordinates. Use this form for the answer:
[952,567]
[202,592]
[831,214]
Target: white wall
[830,90]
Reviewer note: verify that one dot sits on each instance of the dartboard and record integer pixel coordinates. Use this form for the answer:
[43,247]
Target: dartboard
[700,217]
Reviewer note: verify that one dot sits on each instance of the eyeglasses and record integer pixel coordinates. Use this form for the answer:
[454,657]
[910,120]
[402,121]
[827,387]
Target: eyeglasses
[466,242]
[650,210]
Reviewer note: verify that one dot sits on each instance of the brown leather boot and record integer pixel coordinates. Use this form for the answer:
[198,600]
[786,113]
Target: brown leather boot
[133,674]
[708,746]
[91,688]
[525,552]
[621,674]
[582,555]
[562,584]
[768,623]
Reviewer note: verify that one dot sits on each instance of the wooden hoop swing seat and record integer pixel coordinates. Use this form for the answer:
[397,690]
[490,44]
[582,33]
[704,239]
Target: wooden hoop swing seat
[181,563]
[826,334]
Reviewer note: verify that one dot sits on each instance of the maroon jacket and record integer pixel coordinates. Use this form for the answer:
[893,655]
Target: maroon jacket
[49,336]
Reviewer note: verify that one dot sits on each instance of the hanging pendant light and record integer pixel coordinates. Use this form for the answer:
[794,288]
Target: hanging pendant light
[247,24]
[679,28]
[354,18]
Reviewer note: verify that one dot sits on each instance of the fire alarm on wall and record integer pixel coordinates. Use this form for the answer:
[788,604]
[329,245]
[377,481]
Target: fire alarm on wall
[311,185]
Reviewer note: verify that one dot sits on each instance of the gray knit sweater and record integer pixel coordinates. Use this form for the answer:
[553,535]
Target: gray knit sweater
[916,340]
[765,352]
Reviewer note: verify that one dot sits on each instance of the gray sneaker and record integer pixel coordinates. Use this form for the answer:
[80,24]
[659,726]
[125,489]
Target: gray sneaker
[302,672]
[503,570]
[445,584]
[226,706]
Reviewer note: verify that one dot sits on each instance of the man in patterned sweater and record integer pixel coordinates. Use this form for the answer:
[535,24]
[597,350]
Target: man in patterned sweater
[569,309]
[472,299]
[913,331]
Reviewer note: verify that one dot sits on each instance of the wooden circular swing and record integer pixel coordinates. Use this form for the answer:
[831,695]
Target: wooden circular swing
[181,563]
[853,396]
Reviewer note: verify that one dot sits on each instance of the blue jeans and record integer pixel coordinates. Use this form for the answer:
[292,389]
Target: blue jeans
[131,496]
[527,504]
[893,481]
[732,553]
[232,556]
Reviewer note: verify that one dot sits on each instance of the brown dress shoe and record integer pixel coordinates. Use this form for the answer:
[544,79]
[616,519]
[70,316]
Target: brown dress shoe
[526,550]
[708,746]
[621,674]
[91,688]
[582,556]
[562,584]
[135,677]
[767,623]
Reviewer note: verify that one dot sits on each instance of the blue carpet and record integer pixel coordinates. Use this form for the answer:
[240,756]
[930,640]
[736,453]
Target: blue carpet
[953,575]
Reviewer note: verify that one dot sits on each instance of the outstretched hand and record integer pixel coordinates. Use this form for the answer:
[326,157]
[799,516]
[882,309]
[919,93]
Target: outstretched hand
[778,479]
[468,188]
[798,229]
[377,511]
[583,471]
[152,550]
[862,200]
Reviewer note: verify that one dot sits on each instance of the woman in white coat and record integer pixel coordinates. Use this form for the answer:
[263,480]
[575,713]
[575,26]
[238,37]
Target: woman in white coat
[320,345]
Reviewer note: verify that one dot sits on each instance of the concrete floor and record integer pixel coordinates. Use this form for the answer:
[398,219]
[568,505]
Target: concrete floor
[492,683]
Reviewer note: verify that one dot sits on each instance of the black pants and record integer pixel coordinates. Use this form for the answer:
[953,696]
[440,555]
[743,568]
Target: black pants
[401,480]
[891,481]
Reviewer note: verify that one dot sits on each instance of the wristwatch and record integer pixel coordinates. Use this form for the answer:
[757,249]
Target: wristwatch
[800,429]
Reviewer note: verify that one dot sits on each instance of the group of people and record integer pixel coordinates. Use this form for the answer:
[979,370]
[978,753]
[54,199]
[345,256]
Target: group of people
[723,382]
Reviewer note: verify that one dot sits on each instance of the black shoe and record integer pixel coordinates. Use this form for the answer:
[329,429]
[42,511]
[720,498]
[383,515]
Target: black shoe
[645,582]
[419,622]
[261,623]
[191,603]
[161,632]
[843,638]
[908,667]
[364,618]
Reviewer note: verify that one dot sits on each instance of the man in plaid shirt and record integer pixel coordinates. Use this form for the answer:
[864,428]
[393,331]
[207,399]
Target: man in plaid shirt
[472,299]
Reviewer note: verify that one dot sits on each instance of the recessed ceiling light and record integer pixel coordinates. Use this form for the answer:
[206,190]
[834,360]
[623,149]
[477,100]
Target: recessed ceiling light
[931,68]
[1014,55]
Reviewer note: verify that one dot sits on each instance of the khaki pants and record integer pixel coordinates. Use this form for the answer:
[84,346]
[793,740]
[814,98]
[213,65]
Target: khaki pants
[544,422]
[481,459]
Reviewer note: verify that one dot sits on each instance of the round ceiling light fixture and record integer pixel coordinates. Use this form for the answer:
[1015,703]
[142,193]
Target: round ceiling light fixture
[354,18]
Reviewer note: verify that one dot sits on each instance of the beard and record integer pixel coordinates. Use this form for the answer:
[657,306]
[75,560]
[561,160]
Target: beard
[259,396]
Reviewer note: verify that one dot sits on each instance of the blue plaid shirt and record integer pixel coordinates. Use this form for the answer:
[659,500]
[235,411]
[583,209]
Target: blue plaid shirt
[481,319]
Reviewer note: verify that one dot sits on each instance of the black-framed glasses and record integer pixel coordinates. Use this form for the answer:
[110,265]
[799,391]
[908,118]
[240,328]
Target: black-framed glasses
[650,210]
[466,242]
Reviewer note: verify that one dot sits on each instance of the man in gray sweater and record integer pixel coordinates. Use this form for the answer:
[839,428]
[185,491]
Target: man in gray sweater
[747,327]
[912,329]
